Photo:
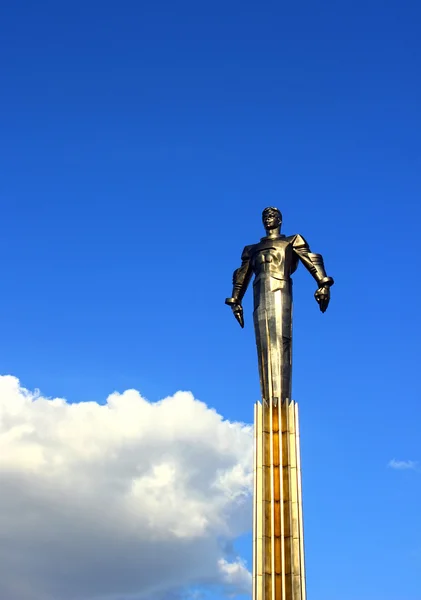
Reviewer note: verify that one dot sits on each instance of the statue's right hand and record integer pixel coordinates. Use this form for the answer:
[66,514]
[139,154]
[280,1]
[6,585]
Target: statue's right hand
[237,310]
[231,301]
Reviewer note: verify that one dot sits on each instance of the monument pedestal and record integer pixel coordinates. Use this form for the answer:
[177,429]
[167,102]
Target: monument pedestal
[278,545]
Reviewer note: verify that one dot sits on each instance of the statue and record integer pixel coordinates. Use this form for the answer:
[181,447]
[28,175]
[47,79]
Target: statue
[272,261]
[278,538]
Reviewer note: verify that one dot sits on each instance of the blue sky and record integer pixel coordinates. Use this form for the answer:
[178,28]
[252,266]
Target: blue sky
[140,142]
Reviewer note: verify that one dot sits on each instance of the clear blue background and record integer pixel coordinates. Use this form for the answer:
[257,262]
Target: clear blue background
[140,142]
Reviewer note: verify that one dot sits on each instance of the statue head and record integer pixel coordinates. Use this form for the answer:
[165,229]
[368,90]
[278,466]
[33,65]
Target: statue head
[272,218]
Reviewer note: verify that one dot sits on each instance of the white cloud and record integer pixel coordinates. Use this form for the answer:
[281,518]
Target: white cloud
[403,464]
[236,576]
[126,500]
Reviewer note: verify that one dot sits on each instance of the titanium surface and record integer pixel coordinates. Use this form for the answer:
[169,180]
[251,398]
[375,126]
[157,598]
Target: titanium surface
[272,261]
[278,543]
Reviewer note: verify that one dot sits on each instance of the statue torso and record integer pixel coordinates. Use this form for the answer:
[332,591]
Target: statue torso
[274,257]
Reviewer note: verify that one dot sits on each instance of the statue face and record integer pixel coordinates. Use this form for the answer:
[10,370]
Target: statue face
[271,218]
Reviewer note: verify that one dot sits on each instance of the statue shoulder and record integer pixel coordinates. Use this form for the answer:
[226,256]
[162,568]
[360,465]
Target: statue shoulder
[247,252]
[297,240]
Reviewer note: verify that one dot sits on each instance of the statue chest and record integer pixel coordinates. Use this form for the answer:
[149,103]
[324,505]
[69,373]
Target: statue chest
[273,256]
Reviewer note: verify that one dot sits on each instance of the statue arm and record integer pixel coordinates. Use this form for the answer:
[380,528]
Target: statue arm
[315,265]
[241,277]
[240,281]
[312,262]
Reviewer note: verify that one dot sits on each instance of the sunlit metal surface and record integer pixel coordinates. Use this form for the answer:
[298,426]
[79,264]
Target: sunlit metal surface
[278,545]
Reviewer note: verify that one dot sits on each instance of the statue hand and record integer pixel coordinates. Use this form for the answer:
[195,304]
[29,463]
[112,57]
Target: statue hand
[322,296]
[237,310]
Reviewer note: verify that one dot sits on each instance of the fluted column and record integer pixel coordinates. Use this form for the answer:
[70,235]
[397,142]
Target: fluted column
[278,545]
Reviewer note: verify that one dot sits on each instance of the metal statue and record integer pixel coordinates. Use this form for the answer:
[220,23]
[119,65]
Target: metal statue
[272,261]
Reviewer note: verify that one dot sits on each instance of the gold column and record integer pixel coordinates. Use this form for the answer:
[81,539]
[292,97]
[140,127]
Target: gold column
[278,545]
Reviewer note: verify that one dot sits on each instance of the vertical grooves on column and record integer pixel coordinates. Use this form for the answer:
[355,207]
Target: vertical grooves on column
[272,503]
[282,595]
[300,505]
[259,504]
[286,501]
[267,504]
[295,541]
[278,548]
[255,477]
[277,499]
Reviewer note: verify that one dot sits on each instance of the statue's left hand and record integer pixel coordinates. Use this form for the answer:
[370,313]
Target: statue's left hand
[323,297]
